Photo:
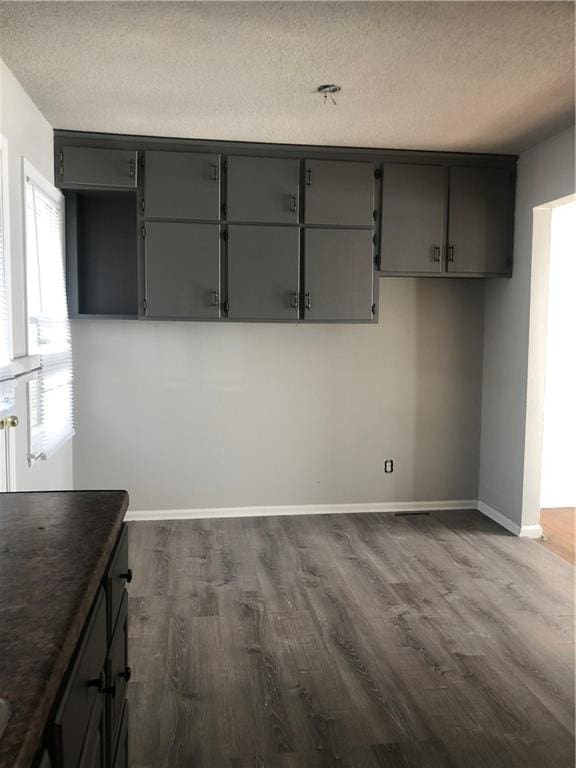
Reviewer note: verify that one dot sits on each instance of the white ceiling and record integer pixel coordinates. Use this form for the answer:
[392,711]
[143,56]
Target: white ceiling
[477,76]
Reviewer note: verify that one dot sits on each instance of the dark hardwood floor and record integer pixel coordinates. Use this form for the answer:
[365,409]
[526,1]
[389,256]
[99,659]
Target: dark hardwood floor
[357,641]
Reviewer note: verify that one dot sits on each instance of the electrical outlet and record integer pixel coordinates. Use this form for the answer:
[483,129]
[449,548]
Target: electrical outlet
[389,466]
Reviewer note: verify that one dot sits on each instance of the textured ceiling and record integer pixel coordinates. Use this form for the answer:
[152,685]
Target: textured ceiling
[478,76]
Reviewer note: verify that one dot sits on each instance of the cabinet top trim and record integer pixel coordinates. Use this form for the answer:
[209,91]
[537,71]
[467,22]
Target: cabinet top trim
[310,151]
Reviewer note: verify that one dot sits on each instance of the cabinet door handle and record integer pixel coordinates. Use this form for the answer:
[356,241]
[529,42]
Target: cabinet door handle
[97,683]
[294,301]
[436,253]
[307,300]
[132,169]
[293,202]
[450,253]
[126,675]
[214,174]
[215,298]
[128,575]
[309,177]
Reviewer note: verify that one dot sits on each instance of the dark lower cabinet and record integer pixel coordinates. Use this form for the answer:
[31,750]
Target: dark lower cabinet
[89,728]
[182,270]
[263,273]
[339,275]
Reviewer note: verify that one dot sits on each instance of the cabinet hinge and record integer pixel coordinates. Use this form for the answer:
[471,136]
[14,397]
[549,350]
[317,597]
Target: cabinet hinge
[373,309]
[378,173]
[144,305]
[374,238]
[143,231]
[226,306]
[142,205]
[142,160]
[225,165]
[224,210]
[225,235]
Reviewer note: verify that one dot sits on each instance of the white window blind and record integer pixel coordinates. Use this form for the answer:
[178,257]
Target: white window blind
[50,403]
[6,387]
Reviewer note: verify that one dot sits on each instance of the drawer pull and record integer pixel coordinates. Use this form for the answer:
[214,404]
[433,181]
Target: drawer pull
[128,575]
[97,683]
[126,675]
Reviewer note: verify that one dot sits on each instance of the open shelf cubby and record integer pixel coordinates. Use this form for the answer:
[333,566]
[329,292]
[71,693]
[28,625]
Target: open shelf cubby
[102,254]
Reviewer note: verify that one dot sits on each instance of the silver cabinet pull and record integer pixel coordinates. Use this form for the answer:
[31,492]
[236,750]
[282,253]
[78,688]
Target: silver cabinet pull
[450,253]
[436,253]
[293,203]
[9,422]
[215,298]
[294,299]
[307,301]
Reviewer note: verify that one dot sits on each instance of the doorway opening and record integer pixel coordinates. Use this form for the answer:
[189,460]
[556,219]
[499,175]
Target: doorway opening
[558,467]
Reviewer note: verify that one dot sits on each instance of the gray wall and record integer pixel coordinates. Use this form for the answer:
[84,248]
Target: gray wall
[190,415]
[545,173]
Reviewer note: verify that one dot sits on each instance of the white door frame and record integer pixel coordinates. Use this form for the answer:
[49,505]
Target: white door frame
[534,430]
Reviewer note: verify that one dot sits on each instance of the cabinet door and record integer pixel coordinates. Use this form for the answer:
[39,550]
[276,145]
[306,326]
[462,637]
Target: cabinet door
[262,189]
[94,749]
[182,270]
[182,185]
[263,267]
[338,274]
[121,758]
[83,692]
[339,192]
[413,218]
[480,221]
[92,168]
[118,671]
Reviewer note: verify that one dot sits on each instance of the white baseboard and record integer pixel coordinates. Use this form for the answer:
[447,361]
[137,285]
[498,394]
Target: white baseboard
[528,531]
[304,509]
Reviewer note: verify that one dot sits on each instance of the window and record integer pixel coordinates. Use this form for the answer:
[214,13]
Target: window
[6,387]
[50,414]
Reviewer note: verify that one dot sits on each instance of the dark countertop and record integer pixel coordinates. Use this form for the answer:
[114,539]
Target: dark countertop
[54,548]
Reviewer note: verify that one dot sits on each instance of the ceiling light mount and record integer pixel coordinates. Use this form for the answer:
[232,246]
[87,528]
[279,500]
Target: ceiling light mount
[329,91]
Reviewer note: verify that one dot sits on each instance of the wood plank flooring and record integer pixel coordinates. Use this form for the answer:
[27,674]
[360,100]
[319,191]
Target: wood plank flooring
[357,641]
[559,531]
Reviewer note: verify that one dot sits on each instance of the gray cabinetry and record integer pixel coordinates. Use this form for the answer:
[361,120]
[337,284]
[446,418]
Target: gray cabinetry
[93,168]
[339,193]
[413,218]
[182,270]
[262,189]
[182,185]
[338,275]
[263,272]
[480,221]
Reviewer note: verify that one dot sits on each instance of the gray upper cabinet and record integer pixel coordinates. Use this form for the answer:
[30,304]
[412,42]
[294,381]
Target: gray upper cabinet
[88,168]
[338,275]
[182,185]
[480,221]
[262,189]
[339,193]
[263,272]
[413,218]
[182,270]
